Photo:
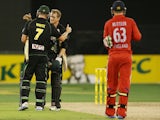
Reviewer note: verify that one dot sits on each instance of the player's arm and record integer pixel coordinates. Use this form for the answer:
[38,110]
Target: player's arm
[107,39]
[63,56]
[27,17]
[24,36]
[63,49]
[62,52]
[136,33]
[64,36]
[60,55]
[59,36]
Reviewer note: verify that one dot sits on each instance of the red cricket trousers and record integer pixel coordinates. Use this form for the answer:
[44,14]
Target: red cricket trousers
[118,76]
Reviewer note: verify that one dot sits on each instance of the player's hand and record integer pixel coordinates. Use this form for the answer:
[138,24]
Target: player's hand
[27,17]
[108,41]
[68,29]
[59,59]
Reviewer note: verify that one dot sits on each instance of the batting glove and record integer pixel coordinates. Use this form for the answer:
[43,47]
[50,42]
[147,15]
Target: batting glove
[59,59]
[107,41]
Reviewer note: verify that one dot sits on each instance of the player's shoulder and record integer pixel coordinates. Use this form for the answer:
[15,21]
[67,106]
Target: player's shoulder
[34,21]
[108,22]
[30,23]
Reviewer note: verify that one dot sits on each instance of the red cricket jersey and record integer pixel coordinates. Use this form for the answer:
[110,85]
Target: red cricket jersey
[122,29]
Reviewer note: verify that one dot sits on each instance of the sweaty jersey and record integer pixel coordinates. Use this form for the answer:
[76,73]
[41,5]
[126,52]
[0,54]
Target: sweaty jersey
[56,45]
[39,31]
[122,30]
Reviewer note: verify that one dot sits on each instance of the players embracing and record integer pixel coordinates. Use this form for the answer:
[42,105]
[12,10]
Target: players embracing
[37,34]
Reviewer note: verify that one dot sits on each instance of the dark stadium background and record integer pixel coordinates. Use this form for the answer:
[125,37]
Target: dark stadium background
[87,18]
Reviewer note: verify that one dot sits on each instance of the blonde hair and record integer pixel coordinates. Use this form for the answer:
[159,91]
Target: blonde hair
[59,14]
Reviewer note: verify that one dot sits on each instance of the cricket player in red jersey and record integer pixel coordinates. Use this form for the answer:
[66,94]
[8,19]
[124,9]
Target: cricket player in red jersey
[118,33]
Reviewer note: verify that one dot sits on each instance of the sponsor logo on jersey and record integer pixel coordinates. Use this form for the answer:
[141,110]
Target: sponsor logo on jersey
[37,47]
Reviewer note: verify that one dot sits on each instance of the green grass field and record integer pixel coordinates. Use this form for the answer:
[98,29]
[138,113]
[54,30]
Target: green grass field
[9,99]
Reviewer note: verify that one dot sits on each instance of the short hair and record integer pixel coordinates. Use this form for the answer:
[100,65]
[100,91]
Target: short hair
[59,14]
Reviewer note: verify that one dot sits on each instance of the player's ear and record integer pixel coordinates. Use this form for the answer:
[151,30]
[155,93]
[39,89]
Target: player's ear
[37,13]
[112,11]
[124,12]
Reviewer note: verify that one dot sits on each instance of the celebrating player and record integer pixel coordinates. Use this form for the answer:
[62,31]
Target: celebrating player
[55,54]
[37,32]
[118,33]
